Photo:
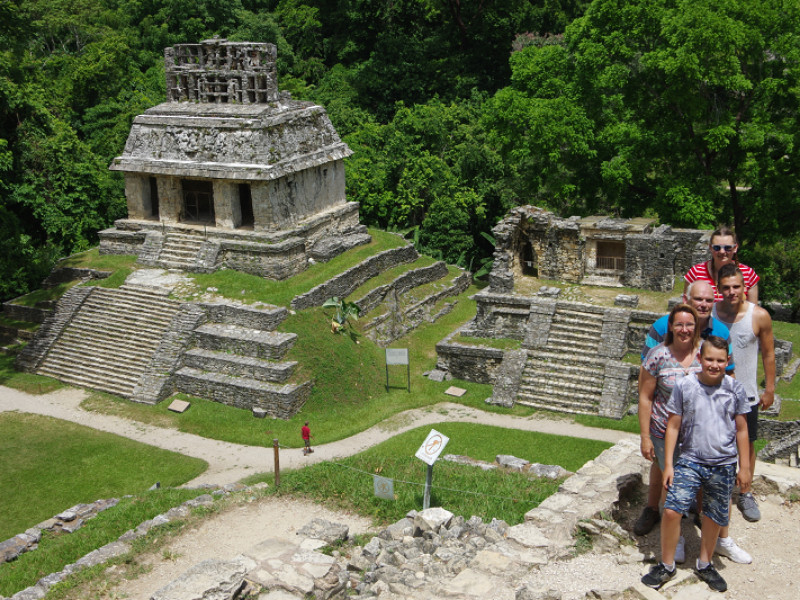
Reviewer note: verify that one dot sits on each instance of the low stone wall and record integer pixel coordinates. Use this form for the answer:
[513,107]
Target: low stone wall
[344,284]
[270,345]
[117,241]
[501,315]
[64,274]
[30,314]
[638,326]
[470,363]
[240,366]
[266,319]
[281,402]
[402,284]
[276,261]
[68,521]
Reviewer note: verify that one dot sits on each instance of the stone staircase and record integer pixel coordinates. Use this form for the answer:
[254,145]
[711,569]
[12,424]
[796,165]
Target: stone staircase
[180,251]
[237,359]
[109,342]
[566,374]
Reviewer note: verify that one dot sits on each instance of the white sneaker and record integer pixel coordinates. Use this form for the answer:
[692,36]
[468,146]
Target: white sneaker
[727,547]
[680,550]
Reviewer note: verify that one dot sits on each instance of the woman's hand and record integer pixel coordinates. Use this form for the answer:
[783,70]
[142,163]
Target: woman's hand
[648,451]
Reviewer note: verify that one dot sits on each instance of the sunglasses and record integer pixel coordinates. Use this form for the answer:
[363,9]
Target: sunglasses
[717,248]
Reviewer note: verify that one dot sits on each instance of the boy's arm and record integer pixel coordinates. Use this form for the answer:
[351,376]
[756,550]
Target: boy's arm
[743,477]
[670,439]
[647,387]
[767,343]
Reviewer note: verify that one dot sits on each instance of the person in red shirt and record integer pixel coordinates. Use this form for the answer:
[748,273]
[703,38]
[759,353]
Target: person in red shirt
[305,431]
[724,247]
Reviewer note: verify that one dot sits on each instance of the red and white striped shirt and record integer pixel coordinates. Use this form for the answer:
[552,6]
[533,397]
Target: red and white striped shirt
[701,272]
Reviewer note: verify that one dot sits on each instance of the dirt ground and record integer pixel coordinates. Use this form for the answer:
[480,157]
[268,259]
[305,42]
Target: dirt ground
[773,541]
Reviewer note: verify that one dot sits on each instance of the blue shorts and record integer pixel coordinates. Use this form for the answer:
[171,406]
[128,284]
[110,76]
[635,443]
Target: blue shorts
[716,481]
[658,446]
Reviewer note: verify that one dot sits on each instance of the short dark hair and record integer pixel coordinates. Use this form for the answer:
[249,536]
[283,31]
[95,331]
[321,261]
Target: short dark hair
[728,270]
[717,342]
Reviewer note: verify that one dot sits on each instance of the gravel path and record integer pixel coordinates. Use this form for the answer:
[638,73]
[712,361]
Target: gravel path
[231,462]
[772,541]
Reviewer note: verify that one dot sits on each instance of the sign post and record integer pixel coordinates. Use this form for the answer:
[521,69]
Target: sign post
[428,453]
[398,356]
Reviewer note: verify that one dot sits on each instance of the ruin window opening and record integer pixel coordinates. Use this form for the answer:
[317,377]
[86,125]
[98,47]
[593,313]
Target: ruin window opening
[611,255]
[198,201]
[246,205]
[154,198]
[529,260]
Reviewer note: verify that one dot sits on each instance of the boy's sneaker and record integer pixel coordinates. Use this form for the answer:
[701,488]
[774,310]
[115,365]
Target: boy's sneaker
[680,550]
[658,576]
[712,578]
[646,521]
[727,547]
[747,504]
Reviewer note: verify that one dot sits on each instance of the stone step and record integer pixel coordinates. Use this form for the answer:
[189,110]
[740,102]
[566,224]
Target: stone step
[88,347]
[243,366]
[571,371]
[125,375]
[580,335]
[559,357]
[96,314]
[111,340]
[559,386]
[133,300]
[178,252]
[281,401]
[244,341]
[557,342]
[551,403]
[577,317]
[95,382]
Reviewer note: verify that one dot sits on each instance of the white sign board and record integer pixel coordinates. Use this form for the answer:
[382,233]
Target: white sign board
[432,447]
[383,486]
[397,356]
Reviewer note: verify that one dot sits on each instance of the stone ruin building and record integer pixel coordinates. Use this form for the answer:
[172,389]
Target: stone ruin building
[230,172]
[593,250]
[227,173]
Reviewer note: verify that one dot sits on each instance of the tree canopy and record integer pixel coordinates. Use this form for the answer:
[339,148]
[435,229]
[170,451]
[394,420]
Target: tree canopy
[457,111]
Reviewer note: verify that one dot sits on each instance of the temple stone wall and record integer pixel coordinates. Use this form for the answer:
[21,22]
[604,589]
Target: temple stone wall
[649,262]
[282,203]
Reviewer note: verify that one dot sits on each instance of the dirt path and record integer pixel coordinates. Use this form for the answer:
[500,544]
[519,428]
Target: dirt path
[772,541]
[229,462]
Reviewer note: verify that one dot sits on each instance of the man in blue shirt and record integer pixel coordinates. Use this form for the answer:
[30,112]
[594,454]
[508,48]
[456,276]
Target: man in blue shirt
[700,296]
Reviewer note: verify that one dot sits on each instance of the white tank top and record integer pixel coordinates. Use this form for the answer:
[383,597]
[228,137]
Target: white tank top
[745,351]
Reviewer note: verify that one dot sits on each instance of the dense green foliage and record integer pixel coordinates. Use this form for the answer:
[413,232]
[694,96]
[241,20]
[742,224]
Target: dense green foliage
[457,111]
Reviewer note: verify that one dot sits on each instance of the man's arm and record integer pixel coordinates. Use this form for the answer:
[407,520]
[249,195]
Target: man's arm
[743,477]
[670,439]
[767,343]
[647,388]
[752,294]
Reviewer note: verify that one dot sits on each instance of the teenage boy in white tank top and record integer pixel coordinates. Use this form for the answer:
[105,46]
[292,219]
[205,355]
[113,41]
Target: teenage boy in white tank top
[751,327]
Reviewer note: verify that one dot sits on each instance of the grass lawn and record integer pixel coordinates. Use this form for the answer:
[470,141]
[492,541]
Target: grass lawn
[462,489]
[25,382]
[60,464]
[251,288]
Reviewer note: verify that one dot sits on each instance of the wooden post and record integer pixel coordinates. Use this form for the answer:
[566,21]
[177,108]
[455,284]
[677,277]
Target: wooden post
[277,463]
[426,499]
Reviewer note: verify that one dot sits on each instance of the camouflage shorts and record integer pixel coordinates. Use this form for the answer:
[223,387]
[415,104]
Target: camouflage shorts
[717,482]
